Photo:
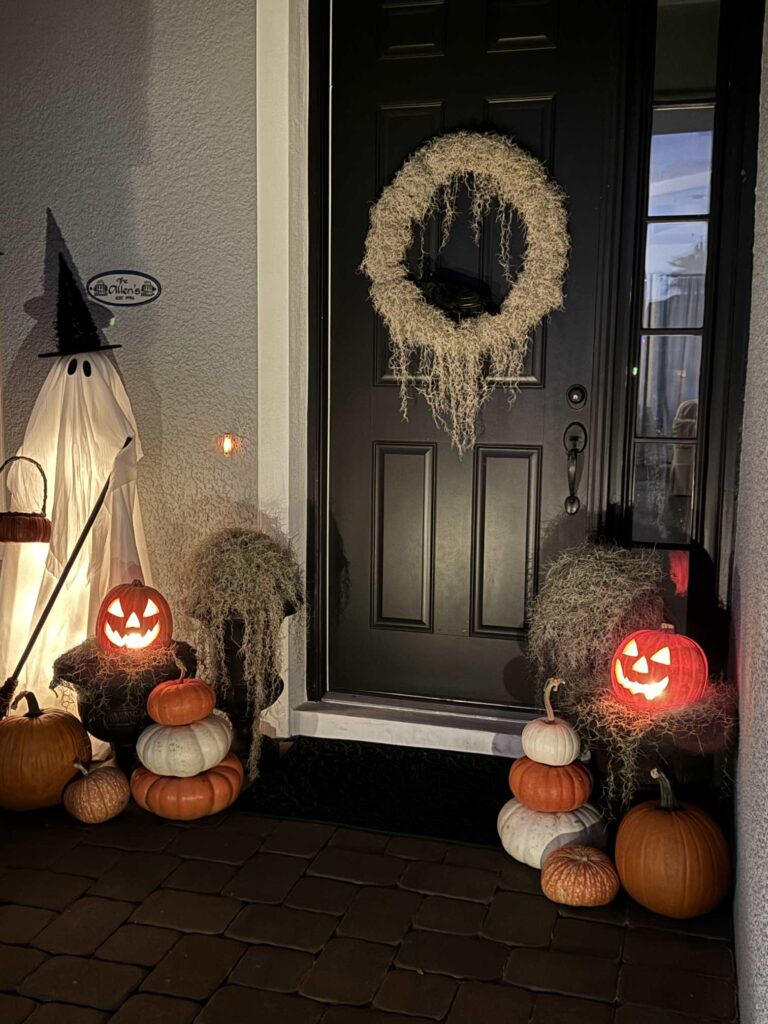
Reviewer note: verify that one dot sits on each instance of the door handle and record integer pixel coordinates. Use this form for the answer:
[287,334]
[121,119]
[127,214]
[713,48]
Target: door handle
[574,442]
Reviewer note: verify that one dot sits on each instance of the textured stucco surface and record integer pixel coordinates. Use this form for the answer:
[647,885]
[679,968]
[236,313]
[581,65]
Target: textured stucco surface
[751,625]
[135,122]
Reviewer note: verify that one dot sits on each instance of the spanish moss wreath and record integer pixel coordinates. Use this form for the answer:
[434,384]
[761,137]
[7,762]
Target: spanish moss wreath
[459,363]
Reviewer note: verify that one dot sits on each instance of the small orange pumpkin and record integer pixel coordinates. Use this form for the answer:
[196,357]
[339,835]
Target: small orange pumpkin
[544,787]
[672,858]
[579,876]
[102,793]
[133,617]
[189,798]
[180,701]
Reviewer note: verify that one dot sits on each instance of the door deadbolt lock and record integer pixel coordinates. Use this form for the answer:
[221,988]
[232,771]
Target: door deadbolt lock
[576,396]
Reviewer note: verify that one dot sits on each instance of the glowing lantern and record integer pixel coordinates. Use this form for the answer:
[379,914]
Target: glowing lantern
[133,617]
[657,669]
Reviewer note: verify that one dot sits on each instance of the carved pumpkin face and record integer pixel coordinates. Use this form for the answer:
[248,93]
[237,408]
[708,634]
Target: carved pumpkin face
[657,670]
[133,617]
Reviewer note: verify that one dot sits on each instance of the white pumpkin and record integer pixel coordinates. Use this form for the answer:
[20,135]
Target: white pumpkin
[530,836]
[550,740]
[184,750]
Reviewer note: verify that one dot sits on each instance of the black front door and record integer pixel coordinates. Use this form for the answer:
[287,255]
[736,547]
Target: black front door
[433,560]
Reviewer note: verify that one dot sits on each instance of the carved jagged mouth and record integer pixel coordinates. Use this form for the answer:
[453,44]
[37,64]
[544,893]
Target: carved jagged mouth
[649,690]
[132,641]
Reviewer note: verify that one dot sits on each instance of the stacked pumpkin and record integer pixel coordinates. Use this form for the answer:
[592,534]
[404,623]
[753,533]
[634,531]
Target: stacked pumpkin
[549,809]
[188,771]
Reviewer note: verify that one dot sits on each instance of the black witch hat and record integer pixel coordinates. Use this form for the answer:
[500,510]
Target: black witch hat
[75,330]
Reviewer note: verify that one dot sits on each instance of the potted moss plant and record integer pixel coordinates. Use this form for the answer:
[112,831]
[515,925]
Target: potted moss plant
[239,585]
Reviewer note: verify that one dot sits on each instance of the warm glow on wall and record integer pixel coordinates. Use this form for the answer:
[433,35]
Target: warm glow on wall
[229,444]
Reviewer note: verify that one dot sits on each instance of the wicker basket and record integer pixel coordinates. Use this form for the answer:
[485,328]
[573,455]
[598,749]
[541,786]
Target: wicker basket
[26,527]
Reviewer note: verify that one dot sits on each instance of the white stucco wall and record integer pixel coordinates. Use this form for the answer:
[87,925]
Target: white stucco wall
[135,122]
[751,629]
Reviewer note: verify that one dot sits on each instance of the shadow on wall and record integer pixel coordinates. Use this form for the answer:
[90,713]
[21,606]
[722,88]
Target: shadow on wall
[42,309]
[73,117]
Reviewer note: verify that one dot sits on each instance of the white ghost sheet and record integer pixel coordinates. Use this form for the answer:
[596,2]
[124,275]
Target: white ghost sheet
[77,430]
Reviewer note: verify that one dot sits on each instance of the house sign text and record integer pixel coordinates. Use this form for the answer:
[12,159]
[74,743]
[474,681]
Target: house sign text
[123,288]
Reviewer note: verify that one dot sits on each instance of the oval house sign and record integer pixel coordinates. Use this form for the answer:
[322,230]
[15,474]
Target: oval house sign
[123,288]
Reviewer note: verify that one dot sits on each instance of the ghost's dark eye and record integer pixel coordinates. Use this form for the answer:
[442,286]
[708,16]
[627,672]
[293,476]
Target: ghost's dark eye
[72,366]
[87,368]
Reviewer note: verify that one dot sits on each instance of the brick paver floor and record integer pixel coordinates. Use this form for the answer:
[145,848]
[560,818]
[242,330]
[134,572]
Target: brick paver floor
[242,918]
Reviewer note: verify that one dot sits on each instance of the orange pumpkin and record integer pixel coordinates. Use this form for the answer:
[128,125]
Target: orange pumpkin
[672,858]
[544,787]
[38,752]
[658,670]
[193,797]
[579,876]
[102,793]
[133,617]
[181,701]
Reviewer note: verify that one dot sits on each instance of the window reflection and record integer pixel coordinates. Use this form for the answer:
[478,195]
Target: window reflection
[675,266]
[668,385]
[663,492]
[681,158]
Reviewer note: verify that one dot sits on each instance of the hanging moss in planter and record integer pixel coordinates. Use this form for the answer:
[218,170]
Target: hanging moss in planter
[592,596]
[626,740]
[242,576]
[112,688]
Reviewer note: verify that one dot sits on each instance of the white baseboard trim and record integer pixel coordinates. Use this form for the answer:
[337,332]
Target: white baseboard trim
[412,724]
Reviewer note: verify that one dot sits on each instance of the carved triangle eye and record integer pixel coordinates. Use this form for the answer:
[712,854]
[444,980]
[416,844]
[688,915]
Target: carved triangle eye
[116,609]
[662,656]
[631,649]
[151,608]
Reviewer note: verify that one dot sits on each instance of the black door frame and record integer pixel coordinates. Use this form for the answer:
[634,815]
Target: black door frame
[733,189]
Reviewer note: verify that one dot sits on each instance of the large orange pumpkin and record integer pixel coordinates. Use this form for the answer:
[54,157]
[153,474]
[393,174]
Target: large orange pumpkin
[133,617]
[672,858]
[658,670]
[193,797]
[579,876]
[180,701]
[544,787]
[38,752]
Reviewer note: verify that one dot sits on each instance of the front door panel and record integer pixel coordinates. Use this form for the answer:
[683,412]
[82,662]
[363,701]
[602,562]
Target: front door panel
[434,560]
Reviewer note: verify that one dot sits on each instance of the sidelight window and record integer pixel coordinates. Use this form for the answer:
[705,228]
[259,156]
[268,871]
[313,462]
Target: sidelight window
[671,333]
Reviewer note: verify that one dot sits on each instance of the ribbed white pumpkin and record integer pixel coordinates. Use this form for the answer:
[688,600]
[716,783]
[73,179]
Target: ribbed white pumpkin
[530,836]
[184,750]
[550,740]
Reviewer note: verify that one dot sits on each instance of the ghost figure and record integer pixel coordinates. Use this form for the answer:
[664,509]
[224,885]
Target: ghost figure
[77,432]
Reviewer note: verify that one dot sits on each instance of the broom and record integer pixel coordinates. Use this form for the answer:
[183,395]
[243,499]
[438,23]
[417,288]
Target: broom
[8,688]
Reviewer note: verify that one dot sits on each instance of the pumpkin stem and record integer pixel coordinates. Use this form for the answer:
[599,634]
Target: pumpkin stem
[33,708]
[83,768]
[667,627]
[552,684]
[668,800]
[180,666]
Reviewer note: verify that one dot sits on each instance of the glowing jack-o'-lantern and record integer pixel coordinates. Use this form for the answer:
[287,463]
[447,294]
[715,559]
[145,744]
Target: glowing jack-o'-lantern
[658,670]
[133,617]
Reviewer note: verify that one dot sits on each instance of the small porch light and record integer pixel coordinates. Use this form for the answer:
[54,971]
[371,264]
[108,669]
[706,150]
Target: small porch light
[229,444]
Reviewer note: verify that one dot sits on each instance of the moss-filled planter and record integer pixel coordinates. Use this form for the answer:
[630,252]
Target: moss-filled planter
[112,690]
[233,697]
[239,585]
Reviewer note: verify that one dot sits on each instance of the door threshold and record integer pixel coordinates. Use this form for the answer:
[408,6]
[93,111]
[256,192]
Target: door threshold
[405,723]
